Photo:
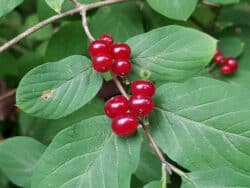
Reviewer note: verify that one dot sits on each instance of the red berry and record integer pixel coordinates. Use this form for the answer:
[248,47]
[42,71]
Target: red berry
[218,57]
[124,125]
[226,69]
[120,51]
[143,87]
[116,106]
[98,47]
[140,105]
[107,39]
[102,63]
[121,67]
[230,61]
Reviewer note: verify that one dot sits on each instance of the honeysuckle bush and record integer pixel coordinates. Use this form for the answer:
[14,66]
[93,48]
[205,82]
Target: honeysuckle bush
[60,137]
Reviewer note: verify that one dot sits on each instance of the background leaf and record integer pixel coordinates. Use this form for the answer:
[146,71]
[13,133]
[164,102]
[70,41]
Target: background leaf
[203,124]
[216,178]
[18,156]
[170,53]
[231,46]
[154,184]
[56,5]
[178,9]
[69,40]
[126,25]
[54,90]
[8,5]
[44,130]
[224,2]
[88,155]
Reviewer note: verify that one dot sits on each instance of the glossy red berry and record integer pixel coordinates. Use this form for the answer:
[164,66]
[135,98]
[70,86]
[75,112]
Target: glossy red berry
[120,51]
[98,47]
[124,125]
[122,67]
[140,105]
[230,61]
[107,39]
[143,87]
[226,69]
[102,63]
[116,106]
[218,57]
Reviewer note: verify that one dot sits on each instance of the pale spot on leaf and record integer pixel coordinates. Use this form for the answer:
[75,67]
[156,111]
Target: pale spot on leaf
[47,94]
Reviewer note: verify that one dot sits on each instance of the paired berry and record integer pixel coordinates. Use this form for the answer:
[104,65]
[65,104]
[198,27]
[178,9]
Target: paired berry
[116,106]
[105,55]
[232,63]
[125,125]
[228,65]
[102,62]
[143,87]
[218,57]
[121,67]
[141,105]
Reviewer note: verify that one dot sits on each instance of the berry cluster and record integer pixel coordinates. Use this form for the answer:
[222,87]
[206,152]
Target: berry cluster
[125,112]
[228,65]
[107,56]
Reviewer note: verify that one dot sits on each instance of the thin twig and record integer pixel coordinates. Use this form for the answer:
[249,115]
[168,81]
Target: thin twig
[85,25]
[156,148]
[119,86]
[38,26]
[8,94]
[15,47]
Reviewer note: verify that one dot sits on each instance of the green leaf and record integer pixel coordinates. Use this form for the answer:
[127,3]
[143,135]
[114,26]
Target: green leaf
[171,53]
[43,11]
[237,14]
[3,181]
[8,5]
[56,5]
[88,155]
[76,43]
[241,78]
[203,124]
[126,25]
[231,46]
[216,178]
[55,90]
[224,2]
[154,184]
[178,9]
[149,168]
[18,156]
[8,64]
[44,130]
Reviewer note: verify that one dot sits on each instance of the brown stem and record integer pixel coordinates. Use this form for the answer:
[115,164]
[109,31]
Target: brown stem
[156,148]
[119,86]
[38,26]
[85,25]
